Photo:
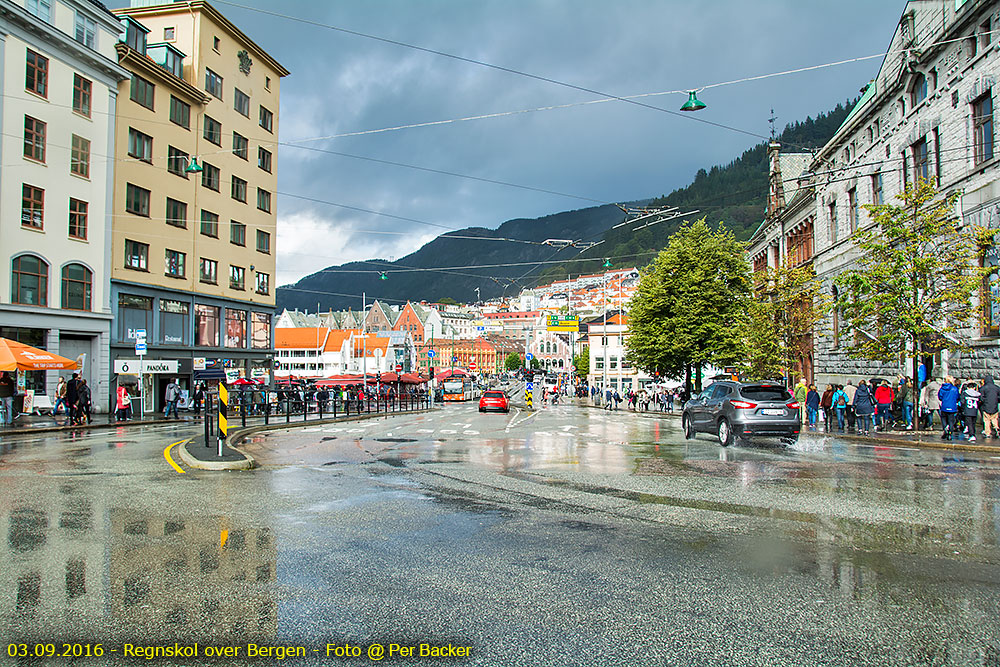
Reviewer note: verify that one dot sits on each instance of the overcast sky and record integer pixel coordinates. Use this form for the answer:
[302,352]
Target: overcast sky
[607,152]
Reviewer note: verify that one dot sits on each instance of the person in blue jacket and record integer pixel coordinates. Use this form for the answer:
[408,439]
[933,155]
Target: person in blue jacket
[812,405]
[948,395]
[864,407]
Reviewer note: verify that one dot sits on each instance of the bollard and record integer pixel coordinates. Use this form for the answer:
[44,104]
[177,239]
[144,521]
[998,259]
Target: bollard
[223,415]
[208,419]
[243,408]
[267,409]
[287,414]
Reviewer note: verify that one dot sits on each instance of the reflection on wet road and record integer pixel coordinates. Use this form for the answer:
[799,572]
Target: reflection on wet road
[565,536]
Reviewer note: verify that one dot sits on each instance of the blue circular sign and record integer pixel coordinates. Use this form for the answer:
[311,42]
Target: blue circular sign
[529,356]
[454,359]
[431,353]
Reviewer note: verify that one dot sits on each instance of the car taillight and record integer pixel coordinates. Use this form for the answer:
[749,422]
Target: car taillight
[794,405]
[743,405]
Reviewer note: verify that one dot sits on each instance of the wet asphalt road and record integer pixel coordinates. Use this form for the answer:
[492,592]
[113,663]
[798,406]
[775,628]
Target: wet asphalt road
[569,536]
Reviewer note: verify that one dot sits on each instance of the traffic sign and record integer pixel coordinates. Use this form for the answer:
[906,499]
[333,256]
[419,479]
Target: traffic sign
[140,348]
[529,386]
[529,356]
[139,333]
[480,328]
[572,368]
[431,354]
[472,365]
[454,360]
[399,368]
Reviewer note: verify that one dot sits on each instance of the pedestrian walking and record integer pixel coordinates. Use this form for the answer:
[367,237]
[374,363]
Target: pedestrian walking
[801,390]
[7,391]
[826,404]
[617,398]
[948,395]
[970,409]
[72,396]
[199,397]
[170,397]
[812,405]
[84,401]
[60,396]
[850,389]
[933,403]
[883,401]
[864,407]
[839,401]
[122,403]
[906,400]
[989,397]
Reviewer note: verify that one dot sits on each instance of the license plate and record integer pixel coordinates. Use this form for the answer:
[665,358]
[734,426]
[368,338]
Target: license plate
[775,412]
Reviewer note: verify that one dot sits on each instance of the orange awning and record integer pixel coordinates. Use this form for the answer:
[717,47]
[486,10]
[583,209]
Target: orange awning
[15,356]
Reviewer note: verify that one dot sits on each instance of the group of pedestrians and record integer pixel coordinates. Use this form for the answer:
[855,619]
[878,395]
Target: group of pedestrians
[877,405]
[644,400]
[75,397]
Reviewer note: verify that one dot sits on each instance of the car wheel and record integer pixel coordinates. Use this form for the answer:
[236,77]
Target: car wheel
[725,433]
[688,429]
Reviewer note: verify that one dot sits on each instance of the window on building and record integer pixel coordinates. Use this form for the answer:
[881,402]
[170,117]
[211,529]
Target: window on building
[209,224]
[937,157]
[990,294]
[213,83]
[206,325]
[175,263]
[982,124]
[174,321]
[78,210]
[985,34]
[216,42]
[264,159]
[135,35]
[599,363]
[141,91]
[237,233]
[134,312]
[263,242]
[260,331]
[85,31]
[263,284]
[140,146]
[239,189]
[613,363]
[213,130]
[921,164]
[210,176]
[831,210]
[137,200]
[168,34]
[852,204]
[176,213]
[177,161]
[264,200]
[136,255]
[77,284]
[877,196]
[237,277]
[918,89]
[266,119]
[173,61]
[40,8]
[236,328]
[241,146]
[32,206]
[267,83]
[79,156]
[241,102]
[208,271]
[180,112]
[34,139]
[29,281]
[82,91]
[36,76]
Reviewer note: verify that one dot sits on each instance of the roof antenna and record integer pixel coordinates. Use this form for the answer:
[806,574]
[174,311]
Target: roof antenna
[771,121]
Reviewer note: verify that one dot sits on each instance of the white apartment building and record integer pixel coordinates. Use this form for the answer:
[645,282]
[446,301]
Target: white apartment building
[929,113]
[57,118]
[609,368]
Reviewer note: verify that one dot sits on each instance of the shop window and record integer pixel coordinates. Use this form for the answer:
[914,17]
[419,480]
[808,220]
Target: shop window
[206,325]
[134,312]
[236,328]
[260,331]
[174,318]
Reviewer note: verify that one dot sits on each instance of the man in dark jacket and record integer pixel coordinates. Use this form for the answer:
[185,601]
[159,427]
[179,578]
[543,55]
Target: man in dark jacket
[989,397]
[72,398]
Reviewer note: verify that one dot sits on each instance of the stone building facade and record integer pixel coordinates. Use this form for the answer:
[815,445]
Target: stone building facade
[928,114]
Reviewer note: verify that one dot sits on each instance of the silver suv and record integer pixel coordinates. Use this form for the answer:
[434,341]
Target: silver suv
[739,411]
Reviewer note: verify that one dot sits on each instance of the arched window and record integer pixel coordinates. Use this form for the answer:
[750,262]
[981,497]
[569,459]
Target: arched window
[77,282]
[562,363]
[29,284]
[918,90]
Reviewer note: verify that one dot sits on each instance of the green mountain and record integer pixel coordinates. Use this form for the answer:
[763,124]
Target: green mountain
[735,194]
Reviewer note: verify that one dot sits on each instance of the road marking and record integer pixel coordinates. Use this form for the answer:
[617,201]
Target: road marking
[166,455]
[471,432]
[223,538]
[425,430]
[448,431]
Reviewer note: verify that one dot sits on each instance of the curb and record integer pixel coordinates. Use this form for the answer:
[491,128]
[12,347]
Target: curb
[191,461]
[248,462]
[28,430]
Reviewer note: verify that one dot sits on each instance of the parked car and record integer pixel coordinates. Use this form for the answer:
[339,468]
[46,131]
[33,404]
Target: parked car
[494,400]
[739,411]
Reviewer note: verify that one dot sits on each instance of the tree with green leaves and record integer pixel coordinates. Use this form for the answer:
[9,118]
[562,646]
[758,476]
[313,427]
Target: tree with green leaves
[582,362]
[687,303]
[778,325]
[912,288]
[535,364]
[513,361]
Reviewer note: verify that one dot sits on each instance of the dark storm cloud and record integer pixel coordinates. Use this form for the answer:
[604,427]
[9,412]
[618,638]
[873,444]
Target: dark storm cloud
[613,151]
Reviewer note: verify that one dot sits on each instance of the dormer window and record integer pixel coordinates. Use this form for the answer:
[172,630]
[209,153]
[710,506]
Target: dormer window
[135,35]
[918,90]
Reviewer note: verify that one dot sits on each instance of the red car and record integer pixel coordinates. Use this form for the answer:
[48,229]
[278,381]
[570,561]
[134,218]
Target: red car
[494,400]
